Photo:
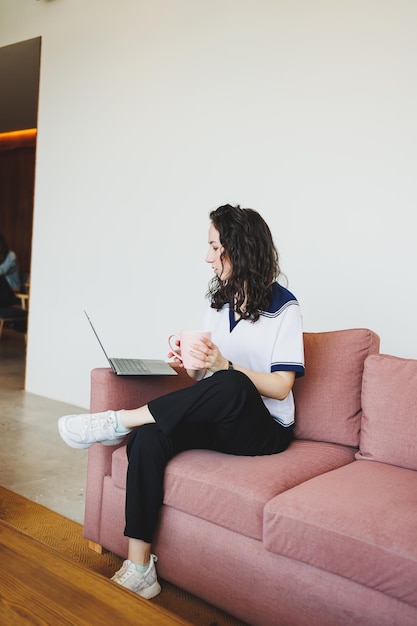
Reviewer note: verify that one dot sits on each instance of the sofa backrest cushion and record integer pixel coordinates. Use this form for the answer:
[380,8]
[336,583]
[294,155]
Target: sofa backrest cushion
[389,420]
[328,397]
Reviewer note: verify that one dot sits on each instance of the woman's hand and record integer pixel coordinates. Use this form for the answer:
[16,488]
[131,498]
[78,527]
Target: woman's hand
[209,355]
[271,384]
[206,354]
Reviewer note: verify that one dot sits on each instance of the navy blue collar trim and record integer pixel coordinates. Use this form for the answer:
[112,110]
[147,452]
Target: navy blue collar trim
[281,299]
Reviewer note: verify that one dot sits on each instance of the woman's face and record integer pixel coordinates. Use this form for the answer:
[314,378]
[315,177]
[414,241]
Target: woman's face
[221,267]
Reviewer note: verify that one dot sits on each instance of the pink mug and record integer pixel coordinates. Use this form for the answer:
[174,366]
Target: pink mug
[187,338]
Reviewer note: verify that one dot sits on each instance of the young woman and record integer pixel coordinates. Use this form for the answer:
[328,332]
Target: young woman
[242,403]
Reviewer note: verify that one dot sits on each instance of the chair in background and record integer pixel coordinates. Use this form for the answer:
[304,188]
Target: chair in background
[13,307]
[23,294]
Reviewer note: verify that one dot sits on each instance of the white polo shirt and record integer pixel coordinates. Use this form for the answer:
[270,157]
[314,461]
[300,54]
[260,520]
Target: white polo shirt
[273,343]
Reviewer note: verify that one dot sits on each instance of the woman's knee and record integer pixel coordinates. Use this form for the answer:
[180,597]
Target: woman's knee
[147,439]
[237,383]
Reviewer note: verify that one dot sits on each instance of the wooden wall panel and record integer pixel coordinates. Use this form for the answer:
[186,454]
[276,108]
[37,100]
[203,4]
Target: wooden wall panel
[17,182]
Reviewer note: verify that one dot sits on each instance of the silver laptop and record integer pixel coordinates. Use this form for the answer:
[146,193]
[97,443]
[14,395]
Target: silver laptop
[136,367]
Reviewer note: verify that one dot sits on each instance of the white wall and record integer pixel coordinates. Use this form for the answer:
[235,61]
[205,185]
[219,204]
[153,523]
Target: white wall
[153,112]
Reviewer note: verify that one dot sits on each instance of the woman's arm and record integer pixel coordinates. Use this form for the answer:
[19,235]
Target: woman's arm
[275,385]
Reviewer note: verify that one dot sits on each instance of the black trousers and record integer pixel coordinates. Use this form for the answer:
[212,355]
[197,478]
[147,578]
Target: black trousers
[223,412]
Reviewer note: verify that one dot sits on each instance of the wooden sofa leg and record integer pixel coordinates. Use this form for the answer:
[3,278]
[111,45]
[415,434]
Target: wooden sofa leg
[96,547]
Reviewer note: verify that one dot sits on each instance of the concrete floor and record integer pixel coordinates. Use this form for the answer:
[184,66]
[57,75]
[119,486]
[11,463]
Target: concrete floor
[35,462]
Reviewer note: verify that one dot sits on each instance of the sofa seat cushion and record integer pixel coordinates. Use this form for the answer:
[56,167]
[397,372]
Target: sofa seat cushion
[231,491]
[358,521]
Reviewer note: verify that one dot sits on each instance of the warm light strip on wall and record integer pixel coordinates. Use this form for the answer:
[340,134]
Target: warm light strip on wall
[18,138]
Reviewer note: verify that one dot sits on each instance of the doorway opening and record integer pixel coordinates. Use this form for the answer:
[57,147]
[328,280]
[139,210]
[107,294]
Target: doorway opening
[19,77]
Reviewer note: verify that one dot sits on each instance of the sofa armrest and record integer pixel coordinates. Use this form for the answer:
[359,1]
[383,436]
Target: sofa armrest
[109,391]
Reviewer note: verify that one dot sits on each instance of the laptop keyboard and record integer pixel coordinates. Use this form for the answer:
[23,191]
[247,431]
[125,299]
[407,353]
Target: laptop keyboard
[130,365]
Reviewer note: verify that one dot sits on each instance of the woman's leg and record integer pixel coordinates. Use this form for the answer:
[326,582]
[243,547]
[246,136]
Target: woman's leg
[228,400]
[149,450]
[225,413]
[132,418]
[108,427]
[139,551]
[230,403]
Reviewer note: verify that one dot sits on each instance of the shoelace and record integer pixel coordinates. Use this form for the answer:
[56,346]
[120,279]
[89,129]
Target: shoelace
[103,422]
[124,573]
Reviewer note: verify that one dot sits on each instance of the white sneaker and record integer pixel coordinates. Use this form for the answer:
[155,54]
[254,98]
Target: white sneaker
[145,585]
[81,431]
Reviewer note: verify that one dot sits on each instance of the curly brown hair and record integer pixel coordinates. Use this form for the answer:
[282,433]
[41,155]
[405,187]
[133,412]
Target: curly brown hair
[249,247]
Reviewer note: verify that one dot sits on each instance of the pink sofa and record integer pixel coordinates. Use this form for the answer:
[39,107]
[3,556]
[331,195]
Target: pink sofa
[323,534]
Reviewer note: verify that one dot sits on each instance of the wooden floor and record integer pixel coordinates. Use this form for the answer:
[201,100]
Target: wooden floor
[38,585]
